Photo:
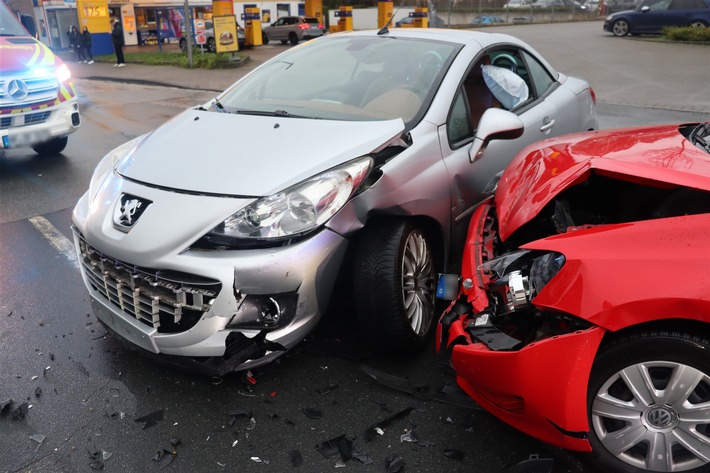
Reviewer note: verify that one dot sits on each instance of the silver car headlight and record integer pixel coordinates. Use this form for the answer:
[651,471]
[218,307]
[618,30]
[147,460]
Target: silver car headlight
[109,162]
[298,209]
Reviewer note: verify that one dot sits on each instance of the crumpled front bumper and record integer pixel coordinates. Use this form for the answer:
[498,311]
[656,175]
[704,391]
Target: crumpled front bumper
[540,389]
[215,344]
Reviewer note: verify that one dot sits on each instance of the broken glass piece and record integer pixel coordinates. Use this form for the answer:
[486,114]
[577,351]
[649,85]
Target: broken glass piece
[313,413]
[34,377]
[454,454]
[296,458]
[394,464]
[370,431]
[339,464]
[409,437]
[38,438]
[150,419]
[379,431]
[449,420]
[252,424]
[106,455]
[534,464]
[256,459]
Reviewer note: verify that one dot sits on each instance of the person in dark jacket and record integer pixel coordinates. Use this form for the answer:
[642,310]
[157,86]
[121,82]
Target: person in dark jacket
[75,42]
[86,41]
[117,38]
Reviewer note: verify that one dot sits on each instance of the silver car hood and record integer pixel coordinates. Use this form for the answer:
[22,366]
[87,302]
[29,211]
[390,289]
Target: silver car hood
[246,155]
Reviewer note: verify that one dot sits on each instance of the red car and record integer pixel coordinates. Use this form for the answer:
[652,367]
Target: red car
[583,312]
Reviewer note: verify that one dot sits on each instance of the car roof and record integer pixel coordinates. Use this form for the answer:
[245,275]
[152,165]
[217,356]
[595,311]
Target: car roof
[464,37]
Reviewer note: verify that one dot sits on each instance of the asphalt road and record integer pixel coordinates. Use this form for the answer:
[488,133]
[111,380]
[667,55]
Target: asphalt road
[87,392]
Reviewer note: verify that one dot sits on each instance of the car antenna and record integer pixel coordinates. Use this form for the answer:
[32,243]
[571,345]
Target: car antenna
[385,29]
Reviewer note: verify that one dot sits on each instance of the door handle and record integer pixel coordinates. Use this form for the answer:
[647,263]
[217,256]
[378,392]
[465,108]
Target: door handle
[547,126]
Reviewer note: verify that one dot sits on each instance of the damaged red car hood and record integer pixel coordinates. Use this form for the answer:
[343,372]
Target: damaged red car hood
[543,170]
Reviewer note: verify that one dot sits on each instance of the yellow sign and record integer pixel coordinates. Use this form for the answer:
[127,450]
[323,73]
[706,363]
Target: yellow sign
[225,33]
[94,15]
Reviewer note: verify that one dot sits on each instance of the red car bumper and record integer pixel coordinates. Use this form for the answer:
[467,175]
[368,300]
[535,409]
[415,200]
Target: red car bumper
[540,389]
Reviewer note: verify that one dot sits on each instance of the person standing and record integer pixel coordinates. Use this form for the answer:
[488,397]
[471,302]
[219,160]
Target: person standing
[117,38]
[75,42]
[86,41]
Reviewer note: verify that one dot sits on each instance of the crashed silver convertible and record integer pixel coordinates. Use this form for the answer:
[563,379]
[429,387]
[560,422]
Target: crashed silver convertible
[350,163]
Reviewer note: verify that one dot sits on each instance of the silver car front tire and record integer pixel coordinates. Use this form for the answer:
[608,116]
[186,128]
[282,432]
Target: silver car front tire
[394,285]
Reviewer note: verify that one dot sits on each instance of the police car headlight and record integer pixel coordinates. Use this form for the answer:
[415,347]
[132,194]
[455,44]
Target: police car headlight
[63,73]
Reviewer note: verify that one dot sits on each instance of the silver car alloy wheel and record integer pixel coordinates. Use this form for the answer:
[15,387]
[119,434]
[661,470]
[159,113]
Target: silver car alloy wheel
[660,413]
[418,282]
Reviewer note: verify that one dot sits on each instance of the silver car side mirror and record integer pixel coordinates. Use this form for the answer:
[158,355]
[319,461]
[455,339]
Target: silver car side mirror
[495,124]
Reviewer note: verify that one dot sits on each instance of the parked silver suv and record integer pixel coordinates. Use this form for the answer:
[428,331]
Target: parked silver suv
[292,29]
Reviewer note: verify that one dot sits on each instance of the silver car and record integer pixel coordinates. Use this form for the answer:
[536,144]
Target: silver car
[349,164]
[292,29]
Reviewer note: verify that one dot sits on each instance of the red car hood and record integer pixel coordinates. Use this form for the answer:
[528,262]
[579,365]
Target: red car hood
[20,52]
[543,170]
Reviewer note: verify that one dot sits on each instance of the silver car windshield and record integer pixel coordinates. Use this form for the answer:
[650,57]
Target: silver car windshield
[349,78]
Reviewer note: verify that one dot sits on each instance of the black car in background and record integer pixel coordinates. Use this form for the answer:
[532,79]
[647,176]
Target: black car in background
[651,16]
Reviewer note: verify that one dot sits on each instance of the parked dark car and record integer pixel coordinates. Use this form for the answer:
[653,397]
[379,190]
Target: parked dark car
[653,15]
[583,314]
[292,29]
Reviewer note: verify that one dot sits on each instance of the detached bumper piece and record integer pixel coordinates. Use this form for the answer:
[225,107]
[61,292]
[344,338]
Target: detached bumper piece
[481,329]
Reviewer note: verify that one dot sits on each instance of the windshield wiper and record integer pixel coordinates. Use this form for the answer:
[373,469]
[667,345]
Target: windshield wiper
[275,113]
[699,136]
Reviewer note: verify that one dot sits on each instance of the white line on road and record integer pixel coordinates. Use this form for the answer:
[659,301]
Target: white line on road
[56,239]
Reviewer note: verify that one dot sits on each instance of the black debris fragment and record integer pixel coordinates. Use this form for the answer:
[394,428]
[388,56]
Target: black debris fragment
[236,414]
[363,458]
[151,419]
[312,413]
[20,411]
[38,391]
[426,443]
[453,454]
[394,464]
[4,404]
[165,456]
[82,369]
[296,458]
[328,390]
[421,391]
[342,445]
[534,464]
[370,431]
[96,462]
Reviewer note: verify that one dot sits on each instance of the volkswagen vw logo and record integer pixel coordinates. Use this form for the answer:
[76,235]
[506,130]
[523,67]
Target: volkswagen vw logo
[660,417]
[17,89]
[128,210]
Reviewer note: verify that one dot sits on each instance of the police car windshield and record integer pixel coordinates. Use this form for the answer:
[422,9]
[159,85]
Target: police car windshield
[9,24]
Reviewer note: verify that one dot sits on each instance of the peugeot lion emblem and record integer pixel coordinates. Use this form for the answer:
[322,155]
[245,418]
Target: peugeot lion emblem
[17,89]
[128,210]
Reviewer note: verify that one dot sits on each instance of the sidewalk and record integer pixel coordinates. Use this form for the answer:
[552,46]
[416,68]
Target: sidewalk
[202,79]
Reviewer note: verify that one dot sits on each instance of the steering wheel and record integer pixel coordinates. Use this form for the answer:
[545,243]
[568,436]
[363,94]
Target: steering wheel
[505,61]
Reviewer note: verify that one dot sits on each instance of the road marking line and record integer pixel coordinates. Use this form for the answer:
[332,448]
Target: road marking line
[56,239]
